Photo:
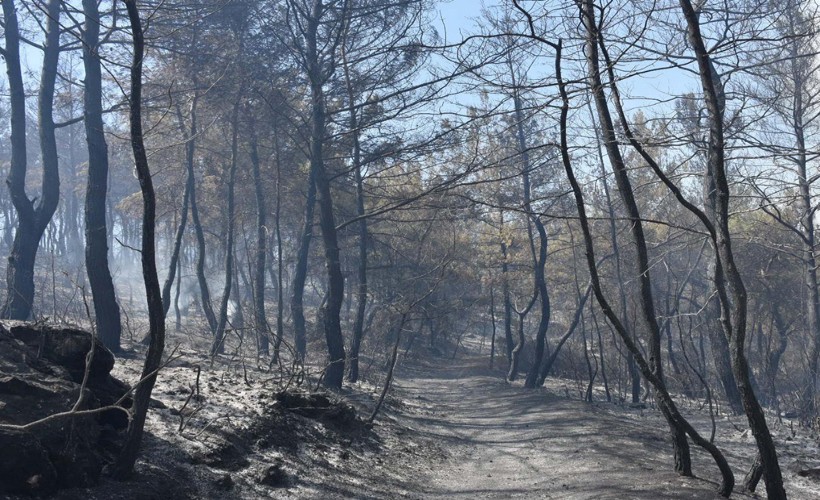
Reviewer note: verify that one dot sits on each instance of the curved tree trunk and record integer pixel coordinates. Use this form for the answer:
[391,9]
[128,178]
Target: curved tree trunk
[492,319]
[546,366]
[31,221]
[540,261]
[642,270]
[733,298]
[124,465]
[177,312]
[632,369]
[515,355]
[106,308]
[505,294]
[300,272]
[717,339]
[775,355]
[174,265]
[664,399]
[544,321]
[205,292]
[219,336]
[331,312]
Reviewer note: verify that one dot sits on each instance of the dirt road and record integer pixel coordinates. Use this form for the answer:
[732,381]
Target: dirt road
[507,442]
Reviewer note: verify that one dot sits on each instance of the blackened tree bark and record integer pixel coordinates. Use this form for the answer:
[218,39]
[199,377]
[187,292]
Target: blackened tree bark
[178,291]
[297,308]
[361,291]
[672,309]
[106,308]
[260,319]
[505,295]
[515,358]
[492,319]
[543,294]
[318,72]
[190,147]
[124,465]
[32,219]
[717,339]
[174,264]
[361,270]
[775,355]
[634,374]
[280,291]
[727,482]
[391,366]
[190,150]
[218,345]
[720,353]
[547,364]
[540,261]
[733,298]
[538,268]
[648,318]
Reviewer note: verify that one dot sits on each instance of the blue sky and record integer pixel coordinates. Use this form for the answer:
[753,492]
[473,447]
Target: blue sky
[459,15]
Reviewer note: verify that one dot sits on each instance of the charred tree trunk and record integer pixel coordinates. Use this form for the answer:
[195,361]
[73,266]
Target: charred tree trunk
[174,265]
[717,339]
[544,320]
[492,318]
[632,370]
[664,398]
[31,221]
[540,261]
[775,355]
[124,465]
[505,293]
[106,308]
[515,357]
[300,272]
[260,319]
[177,312]
[219,336]
[647,315]
[733,298]
[205,292]
[331,312]
[721,357]
[280,290]
[361,291]
[388,379]
[204,289]
[546,366]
